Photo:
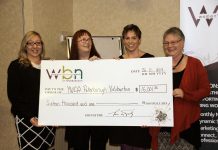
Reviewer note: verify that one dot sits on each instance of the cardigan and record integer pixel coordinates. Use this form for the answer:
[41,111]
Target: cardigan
[196,86]
[23,89]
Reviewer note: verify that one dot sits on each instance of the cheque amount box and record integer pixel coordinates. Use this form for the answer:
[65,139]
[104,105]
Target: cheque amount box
[156,88]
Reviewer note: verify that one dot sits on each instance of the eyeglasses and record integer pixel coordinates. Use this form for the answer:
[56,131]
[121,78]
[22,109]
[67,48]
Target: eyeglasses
[84,40]
[38,43]
[173,43]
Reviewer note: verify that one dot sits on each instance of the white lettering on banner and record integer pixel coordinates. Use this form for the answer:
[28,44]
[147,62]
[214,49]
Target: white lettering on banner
[199,19]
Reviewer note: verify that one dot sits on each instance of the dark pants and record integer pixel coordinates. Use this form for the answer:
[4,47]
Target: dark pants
[128,147]
[79,138]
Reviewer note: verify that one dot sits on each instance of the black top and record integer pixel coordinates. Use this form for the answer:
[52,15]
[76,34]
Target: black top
[177,77]
[146,55]
[134,136]
[23,89]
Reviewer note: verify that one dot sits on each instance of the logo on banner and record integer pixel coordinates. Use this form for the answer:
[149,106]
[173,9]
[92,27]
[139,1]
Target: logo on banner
[65,74]
[204,15]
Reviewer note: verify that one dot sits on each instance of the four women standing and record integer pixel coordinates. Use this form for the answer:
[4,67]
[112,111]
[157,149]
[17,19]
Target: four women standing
[190,84]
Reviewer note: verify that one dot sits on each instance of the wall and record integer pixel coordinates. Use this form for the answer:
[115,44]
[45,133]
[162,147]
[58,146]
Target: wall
[51,18]
[11,32]
[108,17]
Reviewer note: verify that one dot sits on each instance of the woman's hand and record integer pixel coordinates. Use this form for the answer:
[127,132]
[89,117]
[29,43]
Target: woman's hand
[34,122]
[178,93]
[117,58]
[94,58]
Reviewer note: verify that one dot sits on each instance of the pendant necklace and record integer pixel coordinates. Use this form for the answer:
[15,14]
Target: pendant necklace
[174,67]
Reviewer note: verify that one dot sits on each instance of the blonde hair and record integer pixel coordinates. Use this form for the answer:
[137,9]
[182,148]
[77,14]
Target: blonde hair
[22,55]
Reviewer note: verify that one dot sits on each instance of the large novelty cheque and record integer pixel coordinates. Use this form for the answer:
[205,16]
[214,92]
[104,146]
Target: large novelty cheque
[131,92]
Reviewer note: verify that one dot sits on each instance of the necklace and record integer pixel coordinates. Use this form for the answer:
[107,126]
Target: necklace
[174,67]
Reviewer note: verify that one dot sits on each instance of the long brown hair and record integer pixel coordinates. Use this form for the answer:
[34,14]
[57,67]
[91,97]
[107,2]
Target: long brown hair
[74,53]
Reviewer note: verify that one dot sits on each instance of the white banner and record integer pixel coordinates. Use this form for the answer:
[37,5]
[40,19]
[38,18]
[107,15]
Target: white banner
[131,92]
[199,22]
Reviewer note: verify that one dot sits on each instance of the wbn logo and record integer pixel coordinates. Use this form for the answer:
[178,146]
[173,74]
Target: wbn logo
[204,15]
[65,73]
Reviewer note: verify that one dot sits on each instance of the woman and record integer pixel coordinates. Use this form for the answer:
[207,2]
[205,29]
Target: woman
[131,138]
[78,137]
[23,93]
[190,86]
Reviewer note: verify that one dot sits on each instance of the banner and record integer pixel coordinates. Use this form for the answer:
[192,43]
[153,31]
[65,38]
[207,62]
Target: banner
[199,22]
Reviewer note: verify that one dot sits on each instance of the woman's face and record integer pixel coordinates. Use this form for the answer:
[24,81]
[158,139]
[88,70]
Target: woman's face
[131,41]
[84,43]
[173,45]
[34,47]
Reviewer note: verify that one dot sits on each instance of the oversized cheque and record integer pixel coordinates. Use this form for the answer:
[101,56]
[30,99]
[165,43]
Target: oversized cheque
[131,92]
